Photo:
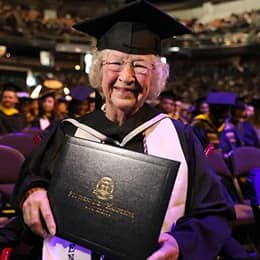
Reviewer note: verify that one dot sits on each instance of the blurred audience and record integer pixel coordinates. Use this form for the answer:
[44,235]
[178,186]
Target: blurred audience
[221,75]
[234,30]
[220,122]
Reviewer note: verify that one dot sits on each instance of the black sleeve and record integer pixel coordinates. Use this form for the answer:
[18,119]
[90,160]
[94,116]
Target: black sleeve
[3,129]
[203,230]
[201,134]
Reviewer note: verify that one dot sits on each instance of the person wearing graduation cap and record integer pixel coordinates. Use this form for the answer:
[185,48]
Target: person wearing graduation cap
[79,105]
[128,69]
[228,135]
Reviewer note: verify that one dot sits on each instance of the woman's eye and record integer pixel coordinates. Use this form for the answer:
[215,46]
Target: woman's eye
[139,65]
[117,63]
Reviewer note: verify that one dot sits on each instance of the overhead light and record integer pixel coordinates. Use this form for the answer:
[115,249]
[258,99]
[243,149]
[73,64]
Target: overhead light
[77,67]
[30,79]
[2,50]
[46,58]
[174,49]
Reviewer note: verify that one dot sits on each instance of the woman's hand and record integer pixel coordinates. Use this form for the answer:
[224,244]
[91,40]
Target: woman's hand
[36,208]
[169,249]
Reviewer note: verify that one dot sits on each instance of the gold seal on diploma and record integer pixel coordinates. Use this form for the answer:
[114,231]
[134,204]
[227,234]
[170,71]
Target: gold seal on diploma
[104,189]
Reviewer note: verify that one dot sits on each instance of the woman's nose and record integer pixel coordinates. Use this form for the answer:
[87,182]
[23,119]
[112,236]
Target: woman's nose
[127,74]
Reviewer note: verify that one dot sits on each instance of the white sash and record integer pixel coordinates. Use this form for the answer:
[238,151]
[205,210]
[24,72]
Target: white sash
[162,140]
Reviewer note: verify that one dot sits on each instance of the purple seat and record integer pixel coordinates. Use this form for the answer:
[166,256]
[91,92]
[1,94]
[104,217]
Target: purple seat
[32,130]
[243,210]
[23,142]
[245,159]
[218,164]
[11,161]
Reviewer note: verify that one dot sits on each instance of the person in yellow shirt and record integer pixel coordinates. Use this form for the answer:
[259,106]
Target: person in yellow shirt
[203,126]
[11,120]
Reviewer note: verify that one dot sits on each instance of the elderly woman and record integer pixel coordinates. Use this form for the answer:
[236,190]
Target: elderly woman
[128,69]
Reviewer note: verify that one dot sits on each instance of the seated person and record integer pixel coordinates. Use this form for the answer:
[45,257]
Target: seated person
[166,102]
[11,120]
[127,68]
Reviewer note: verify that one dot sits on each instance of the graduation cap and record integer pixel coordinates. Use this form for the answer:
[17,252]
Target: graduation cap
[221,98]
[136,28]
[81,92]
[11,87]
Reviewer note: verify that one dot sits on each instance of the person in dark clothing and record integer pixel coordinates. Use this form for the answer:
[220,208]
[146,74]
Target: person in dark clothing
[47,113]
[79,104]
[244,127]
[166,102]
[129,72]
[202,125]
[11,120]
[217,129]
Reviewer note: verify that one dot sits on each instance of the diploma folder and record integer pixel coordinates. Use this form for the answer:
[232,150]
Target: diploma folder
[109,199]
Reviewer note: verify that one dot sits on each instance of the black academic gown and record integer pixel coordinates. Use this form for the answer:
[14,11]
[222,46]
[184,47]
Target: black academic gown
[12,123]
[203,230]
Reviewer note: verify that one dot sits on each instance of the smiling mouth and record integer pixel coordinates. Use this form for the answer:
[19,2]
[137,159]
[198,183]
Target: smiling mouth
[125,89]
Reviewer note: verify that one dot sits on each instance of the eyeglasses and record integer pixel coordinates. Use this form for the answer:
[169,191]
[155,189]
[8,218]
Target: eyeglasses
[139,67]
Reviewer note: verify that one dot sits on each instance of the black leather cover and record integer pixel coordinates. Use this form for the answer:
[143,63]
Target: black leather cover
[110,199]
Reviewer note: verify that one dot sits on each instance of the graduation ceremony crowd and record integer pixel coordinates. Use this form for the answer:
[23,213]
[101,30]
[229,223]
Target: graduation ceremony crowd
[221,119]
[18,114]
[212,213]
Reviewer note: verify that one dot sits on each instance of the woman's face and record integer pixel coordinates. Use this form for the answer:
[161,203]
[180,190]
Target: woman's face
[48,104]
[126,80]
[204,108]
